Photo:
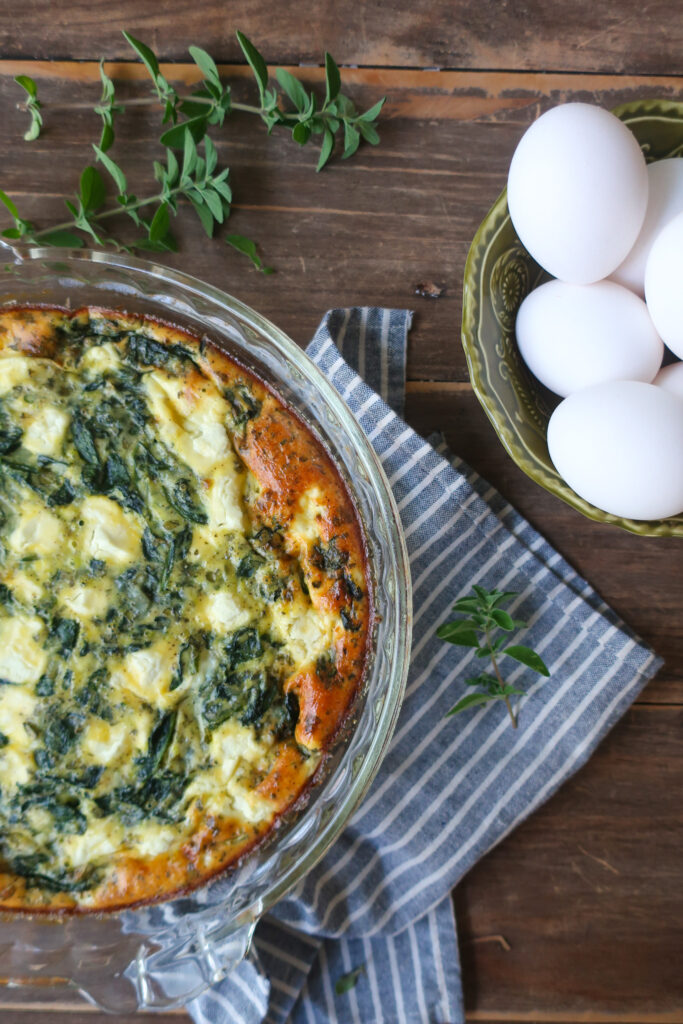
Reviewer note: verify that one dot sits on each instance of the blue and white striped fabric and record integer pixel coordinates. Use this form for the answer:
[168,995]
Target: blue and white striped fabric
[449,788]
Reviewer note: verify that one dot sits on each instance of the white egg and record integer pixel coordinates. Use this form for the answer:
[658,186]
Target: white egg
[572,336]
[671,378]
[619,446]
[665,201]
[577,192]
[663,291]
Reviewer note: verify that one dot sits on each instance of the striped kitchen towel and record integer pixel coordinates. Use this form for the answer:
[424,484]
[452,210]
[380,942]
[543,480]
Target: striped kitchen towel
[376,911]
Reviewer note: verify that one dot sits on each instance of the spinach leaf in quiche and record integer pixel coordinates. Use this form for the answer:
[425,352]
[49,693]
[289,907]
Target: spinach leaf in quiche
[183,498]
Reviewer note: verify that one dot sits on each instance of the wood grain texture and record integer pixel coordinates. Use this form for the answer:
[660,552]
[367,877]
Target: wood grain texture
[569,35]
[77,1014]
[576,891]
[640,577]
[365,231]
[587,944]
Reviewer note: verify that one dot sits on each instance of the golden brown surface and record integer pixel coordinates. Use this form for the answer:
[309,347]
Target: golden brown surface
[294,494]
[587,893]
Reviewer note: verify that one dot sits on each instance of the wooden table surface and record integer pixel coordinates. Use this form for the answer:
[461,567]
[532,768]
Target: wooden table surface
[577,915]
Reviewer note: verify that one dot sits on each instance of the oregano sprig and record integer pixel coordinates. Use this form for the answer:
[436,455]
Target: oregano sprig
[187,177]
[348,981]
[484,616]
[107,110]
[32,105]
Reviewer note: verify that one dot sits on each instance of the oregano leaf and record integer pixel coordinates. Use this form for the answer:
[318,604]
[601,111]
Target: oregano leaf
[146,55]
[325,149]
[61,237]
[28,85]
[453,633]
[348,981]
[106,137]
[256,63]
[5,199]
[160,224]
[211,155]
[301,133]
[204,214]
[246,246]
[114,170]
[332,79]
[470,701]
[369,132]
[373,113]
[92,191]
[174,137]
[190,155]
[206,64]
[527,656]
[351,140]
[213,201]
[293,88]
[503,619]
[32,106]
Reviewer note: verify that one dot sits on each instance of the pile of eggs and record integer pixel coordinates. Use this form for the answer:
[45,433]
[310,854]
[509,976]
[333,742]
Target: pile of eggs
[609,229]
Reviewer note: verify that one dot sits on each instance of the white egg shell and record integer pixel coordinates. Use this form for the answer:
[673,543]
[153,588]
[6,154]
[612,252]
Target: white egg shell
[572,336]
[577,192]
[671,379]
[665,201]
[663,291]
[619,445]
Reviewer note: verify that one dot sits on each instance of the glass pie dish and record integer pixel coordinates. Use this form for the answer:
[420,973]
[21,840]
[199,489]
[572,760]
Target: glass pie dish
[161,956]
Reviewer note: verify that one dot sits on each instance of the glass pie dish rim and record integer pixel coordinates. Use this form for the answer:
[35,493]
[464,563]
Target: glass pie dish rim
[365,763]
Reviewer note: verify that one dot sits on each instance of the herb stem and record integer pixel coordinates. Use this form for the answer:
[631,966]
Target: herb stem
[152,101]
[188,118]
[508,705]
[108,213]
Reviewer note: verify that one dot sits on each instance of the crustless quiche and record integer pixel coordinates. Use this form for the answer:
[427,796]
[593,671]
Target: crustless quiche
[184,609]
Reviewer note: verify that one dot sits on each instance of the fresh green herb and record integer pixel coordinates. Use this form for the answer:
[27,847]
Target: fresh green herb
[32,105]
[483,617]
[348,981]
[187,176]
[248,248]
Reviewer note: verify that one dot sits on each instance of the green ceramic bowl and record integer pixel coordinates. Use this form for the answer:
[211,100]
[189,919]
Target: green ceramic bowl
[499,273]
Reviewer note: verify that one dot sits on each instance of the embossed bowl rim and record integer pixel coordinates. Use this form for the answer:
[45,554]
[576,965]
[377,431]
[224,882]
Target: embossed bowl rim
[501,416]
